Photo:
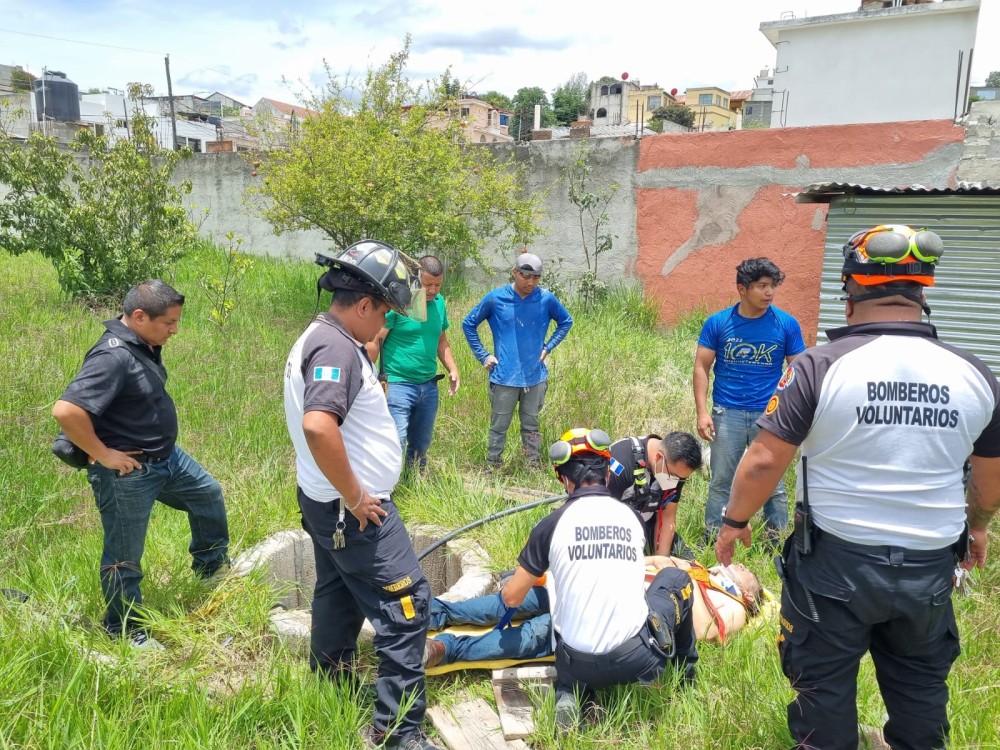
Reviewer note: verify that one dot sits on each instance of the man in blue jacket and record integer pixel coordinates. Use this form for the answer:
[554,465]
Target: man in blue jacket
[518,315]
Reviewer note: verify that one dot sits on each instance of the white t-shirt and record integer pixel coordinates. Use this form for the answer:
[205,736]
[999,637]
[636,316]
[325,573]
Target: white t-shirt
[593,545]
[328,370]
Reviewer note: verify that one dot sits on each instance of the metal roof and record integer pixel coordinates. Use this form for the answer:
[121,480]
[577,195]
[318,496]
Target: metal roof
[824,192]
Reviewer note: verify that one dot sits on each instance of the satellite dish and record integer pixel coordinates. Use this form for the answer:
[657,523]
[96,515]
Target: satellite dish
[624,76]
[673,92]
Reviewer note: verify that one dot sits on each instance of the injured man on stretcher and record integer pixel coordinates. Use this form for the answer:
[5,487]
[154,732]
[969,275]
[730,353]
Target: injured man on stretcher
[724,597]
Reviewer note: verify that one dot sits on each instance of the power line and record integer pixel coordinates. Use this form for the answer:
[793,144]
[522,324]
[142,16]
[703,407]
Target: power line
[227,75]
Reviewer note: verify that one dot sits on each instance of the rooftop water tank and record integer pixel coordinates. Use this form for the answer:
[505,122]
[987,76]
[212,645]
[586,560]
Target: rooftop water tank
[57,96]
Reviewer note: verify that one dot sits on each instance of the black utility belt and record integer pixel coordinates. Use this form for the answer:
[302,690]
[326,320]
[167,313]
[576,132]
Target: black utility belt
[617,652]
[883,550]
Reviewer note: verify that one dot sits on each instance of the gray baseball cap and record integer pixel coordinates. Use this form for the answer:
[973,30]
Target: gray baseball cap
[528,263]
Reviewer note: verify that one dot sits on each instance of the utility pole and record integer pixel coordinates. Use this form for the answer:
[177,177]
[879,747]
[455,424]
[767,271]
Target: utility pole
[170,96]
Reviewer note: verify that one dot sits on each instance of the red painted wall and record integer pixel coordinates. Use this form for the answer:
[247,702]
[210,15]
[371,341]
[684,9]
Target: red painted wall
[770,223]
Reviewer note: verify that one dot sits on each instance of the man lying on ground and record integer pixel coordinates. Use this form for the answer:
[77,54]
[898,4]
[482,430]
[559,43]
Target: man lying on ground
[724,597]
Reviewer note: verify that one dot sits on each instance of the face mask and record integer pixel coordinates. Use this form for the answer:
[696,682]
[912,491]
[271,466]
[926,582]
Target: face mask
[666,481]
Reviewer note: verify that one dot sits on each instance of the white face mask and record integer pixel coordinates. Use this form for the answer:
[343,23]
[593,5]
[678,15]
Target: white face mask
[666,481]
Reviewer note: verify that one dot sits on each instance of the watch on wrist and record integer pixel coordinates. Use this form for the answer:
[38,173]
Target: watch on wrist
[727,521]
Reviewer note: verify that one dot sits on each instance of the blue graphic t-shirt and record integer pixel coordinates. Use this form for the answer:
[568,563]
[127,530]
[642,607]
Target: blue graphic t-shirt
[749,354]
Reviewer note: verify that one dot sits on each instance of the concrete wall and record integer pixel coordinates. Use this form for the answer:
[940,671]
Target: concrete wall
[706,201]
[887,66]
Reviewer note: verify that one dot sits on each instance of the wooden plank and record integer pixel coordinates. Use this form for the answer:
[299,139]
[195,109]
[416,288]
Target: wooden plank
[513,701]
[472,725]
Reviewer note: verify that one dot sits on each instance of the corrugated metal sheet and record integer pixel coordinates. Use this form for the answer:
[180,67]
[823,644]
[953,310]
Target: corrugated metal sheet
[825,192]
[966,297]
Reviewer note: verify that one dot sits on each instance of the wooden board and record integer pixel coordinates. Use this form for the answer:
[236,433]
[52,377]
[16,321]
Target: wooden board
[471,725]
[510,688]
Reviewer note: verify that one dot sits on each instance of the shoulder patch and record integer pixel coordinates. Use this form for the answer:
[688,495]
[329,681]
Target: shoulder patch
[787,378]
[113,342]
[616,468]
[772,406]
[331,374]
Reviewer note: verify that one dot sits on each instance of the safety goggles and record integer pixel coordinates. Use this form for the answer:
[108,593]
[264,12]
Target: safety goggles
[892,243]
[578,441]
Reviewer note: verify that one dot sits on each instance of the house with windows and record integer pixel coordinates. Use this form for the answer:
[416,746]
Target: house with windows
[482,122]
[711,108]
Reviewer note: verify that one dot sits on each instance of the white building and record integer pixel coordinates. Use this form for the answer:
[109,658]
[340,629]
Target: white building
[905,62]
[117,110]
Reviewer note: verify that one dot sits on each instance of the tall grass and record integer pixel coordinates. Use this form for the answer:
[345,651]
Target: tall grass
[224,681]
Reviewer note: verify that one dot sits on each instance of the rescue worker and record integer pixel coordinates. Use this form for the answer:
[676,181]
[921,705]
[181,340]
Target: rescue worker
[885,415]
[608,627]
[348,460]
[648,474]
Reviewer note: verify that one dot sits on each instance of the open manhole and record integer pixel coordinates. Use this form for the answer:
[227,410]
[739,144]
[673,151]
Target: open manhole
[456,570]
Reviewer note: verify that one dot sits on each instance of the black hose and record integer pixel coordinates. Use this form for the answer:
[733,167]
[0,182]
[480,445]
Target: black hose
[494,516]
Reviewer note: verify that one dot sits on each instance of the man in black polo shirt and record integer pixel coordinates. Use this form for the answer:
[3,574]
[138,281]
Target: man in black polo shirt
[648,474]
[117,409]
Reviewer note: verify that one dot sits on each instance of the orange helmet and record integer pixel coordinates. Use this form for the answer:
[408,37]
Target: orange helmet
[892,252]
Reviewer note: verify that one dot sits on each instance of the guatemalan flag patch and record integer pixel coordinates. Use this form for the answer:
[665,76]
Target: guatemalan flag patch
[616,468]
[331,374]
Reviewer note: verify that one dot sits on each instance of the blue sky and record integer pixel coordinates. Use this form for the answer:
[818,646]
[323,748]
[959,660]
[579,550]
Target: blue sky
[248,48]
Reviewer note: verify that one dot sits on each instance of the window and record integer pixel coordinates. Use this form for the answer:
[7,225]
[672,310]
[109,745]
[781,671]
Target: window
[616,89]
[602,112]
[748,110]
[725,102]
[605,90]
[465,111]
[503,120]
[704,98]
[652,102]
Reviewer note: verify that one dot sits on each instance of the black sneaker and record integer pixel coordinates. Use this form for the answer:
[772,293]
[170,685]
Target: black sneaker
[143,641]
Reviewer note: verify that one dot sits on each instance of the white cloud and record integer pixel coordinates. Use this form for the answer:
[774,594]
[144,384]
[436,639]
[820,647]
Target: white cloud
[246,48]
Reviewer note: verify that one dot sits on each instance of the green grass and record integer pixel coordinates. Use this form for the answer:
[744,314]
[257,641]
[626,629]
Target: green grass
[224,681]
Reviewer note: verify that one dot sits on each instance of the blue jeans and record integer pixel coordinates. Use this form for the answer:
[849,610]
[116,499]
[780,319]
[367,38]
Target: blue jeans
[413,407]
[125,504]
[531,640]
[735,429]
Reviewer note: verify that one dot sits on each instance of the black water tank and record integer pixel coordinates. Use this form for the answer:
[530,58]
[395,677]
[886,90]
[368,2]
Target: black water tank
[60,99]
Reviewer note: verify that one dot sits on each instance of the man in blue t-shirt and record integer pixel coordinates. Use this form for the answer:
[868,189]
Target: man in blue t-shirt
[749,345]
[519,315]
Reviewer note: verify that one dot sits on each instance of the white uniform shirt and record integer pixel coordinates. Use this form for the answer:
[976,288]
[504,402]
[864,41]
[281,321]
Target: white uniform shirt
[328,370]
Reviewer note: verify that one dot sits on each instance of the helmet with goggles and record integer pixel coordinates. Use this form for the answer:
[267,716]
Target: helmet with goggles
[379,269]
[892,253]
[580,449]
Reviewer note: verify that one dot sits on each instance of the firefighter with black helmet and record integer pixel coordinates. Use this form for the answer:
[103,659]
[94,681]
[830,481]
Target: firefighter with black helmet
[608,628]
[348,460]
[885,415]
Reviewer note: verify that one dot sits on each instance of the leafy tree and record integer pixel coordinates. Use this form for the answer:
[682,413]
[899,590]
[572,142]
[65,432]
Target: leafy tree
[21,80]
[993,79]
[570,99]
[501,101]
[449,87]
[382,159]
[679,113]
[106,221]
[523,107]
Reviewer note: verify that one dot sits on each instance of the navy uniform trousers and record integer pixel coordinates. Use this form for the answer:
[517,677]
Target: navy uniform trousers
[375,576]
[847,599]
[637,660]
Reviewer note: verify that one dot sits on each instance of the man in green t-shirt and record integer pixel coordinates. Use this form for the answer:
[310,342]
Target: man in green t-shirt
[410,351]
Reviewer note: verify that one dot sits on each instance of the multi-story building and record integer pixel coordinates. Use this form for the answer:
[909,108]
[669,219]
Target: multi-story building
[711,108]
[889,61]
